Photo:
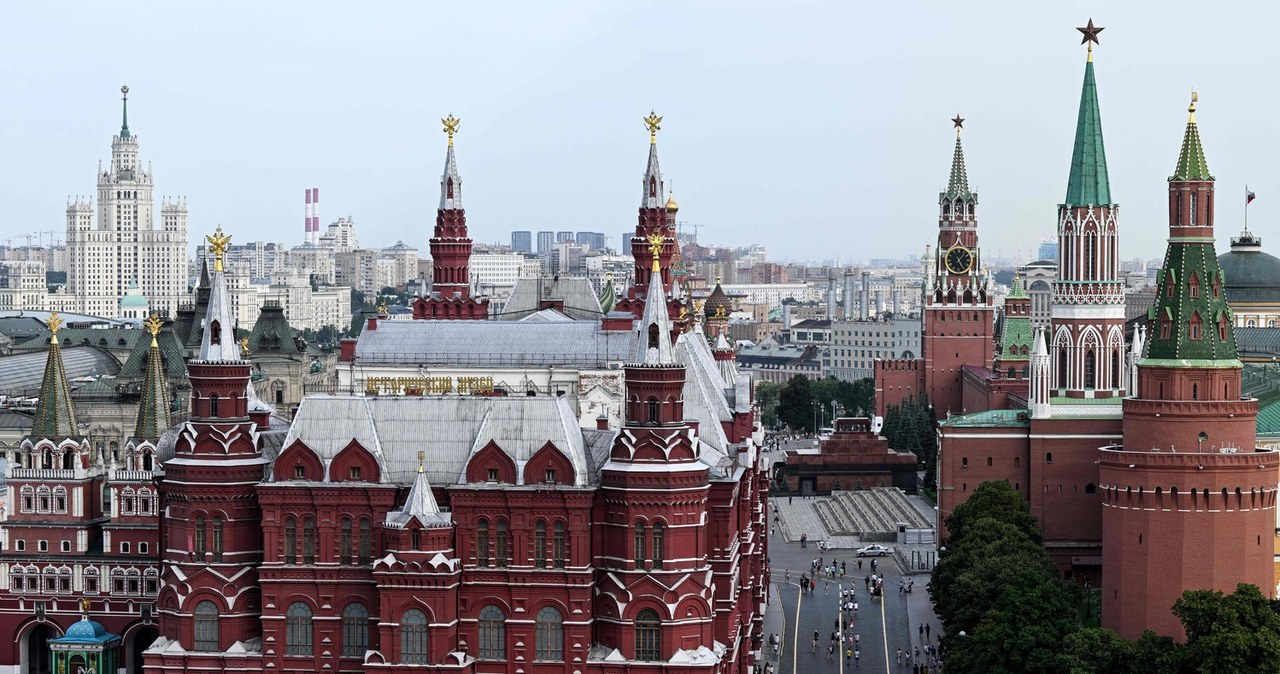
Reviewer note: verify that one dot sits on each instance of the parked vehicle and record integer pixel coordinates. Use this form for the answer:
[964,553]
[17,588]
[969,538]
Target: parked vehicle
[873,551]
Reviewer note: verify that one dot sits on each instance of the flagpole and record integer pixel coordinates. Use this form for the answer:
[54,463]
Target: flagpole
[1246,207]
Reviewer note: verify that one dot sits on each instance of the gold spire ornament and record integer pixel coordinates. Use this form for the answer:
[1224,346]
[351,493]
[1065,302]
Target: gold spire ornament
[152,325]
[451,126]
[84,607]
[1191,109]
[218,242]
[421,456]
[244,348]
[655,248]
[54,323]
[653,123]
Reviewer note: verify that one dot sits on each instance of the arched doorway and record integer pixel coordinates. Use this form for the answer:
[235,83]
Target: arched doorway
[139,640]
[36,658]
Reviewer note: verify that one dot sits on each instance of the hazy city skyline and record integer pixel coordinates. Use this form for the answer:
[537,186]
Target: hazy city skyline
[820,131]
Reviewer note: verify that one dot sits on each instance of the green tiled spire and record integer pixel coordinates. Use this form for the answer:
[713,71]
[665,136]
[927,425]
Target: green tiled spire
[1191,163]
[153,408]
[1088,184]
[55,415]
[958,183]
[124,124]
[1191,289]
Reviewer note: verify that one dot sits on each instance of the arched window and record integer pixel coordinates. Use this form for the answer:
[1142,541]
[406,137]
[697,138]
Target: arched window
[413,637]
[1193,286]
[68,460]
[217,538]
[502,543]
[492,634]
[1048,457]
[215,334]
[308,541]
[290,541]
[1090,255]
[147,461]
[1090,369]
[659,543]
[366,542]
[648,635]
[640,555]
[1115,369]
[200,536]
[297,629]
[355,631]
[653,335]
[653,411]
[344,542]
[206,626]
[1062,367]
[1194,326]
[558,545]
[540,545]
[550,635]
[482,543]
[1090,488]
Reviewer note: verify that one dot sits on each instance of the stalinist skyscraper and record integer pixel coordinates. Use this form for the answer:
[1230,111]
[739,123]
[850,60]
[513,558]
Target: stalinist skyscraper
[124,245]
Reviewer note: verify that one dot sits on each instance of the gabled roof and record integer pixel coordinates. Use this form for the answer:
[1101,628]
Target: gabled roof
[391,428]
[576,294]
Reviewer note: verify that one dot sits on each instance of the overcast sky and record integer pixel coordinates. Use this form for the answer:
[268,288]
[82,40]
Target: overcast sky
[818,129]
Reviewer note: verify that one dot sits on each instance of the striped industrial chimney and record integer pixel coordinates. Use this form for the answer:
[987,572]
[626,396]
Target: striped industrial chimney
[306,220]
[315,215]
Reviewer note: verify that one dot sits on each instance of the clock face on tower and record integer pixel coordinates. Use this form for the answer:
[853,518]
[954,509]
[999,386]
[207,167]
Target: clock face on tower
[959,259]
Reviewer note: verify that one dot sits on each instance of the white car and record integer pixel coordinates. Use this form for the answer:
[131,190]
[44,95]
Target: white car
[873,551]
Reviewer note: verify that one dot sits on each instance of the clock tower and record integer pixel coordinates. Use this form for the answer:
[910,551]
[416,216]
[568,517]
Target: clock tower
[958,312]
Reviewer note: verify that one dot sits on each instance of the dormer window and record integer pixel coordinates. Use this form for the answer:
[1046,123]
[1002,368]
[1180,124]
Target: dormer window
[1166,328]
[492,475]
[1222,327]
[354,473]
[1194,327]
[1193,286]
[299,471]
[448,191]
[653,335]
[550,475]
[215,334]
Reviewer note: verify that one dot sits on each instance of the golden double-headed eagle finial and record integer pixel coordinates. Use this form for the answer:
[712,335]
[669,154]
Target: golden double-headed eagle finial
[653,122]
[218,242]
[152,324]
[656,240]
[451,126]
[54,323]
[244,348]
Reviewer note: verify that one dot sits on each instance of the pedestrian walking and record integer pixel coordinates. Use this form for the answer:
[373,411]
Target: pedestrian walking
[899,660]
[826,587]
[773,530]
[848,656]
[859,564]
[922,632]
[857,657]
[926,631]
[830,651]
[812,586]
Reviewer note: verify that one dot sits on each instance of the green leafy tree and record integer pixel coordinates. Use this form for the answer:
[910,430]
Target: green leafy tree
[995,499]
[767,393]
[1229,634]
[795,404]
[862,396]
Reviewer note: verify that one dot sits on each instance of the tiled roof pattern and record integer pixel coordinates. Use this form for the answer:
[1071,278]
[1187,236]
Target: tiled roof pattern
[1191,162]
[489,343]
[1185,262]
[153,407]
[958,181]
[55,415]
[1088,183]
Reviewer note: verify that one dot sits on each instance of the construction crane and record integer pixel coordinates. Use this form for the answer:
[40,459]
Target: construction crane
[683,224]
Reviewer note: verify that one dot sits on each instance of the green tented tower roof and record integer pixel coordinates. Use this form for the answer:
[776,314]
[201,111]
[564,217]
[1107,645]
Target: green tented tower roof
[1088,184]
[153,408]
[55,415]
[1191,162]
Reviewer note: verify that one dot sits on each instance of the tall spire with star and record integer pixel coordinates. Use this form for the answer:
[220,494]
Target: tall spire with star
[958,185]
[1088,351]
[1088,183]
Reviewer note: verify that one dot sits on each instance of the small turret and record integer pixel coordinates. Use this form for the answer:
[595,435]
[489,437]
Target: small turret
[153,409]
[55,415]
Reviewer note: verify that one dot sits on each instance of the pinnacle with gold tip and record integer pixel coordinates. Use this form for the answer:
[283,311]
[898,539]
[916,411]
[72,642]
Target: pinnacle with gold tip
[654,123]
[451,126]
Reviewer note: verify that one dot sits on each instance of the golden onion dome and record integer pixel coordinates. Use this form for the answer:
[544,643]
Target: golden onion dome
[672,206]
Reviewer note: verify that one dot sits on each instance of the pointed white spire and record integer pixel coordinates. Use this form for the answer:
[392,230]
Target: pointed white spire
[652,194]
[218,343]
[450,183]
[653,341]
[1039,391]
[421,503]
[1135,354]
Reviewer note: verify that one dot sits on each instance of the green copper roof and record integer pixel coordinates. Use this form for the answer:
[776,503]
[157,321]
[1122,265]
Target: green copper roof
[958,183]
[1088,184]
[55,415]
[608,297]
[989,419]
[1191,163]
[153,408]
[1015,339]
[1188,266]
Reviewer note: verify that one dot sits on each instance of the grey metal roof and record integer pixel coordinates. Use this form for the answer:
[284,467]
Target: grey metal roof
[450,429]
[577,295]
[20,373]
[488,343]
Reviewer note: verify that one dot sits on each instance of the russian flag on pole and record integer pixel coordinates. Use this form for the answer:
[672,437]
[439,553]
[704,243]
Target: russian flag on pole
[1249,197]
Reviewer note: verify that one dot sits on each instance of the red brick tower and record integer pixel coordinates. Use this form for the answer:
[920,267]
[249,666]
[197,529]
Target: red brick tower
[1188,499]
[1087,342]
[653,581]
[958,312]
[212,527]
[450,250]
